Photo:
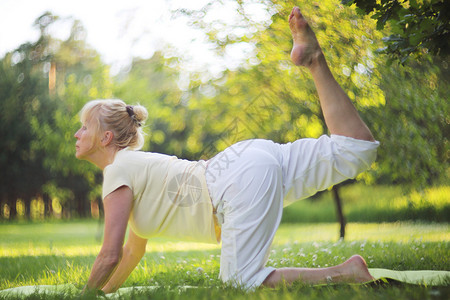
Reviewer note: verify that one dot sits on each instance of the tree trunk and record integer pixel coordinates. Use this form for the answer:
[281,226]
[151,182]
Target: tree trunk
[340,214]
[48,206]
[12,209]
[27,205]
[80,208]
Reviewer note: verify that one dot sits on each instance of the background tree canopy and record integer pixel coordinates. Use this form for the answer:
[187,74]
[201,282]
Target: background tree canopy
[194,114]
[416,26]
[405,105]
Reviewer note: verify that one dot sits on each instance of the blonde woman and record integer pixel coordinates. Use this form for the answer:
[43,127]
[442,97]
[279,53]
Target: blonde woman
[236,197]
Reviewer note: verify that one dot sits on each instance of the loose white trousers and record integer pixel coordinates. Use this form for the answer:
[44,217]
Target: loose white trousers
[251,181]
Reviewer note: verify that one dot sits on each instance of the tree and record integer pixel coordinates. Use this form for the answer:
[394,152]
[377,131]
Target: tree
[24,94]
[153,84]
[21,89]
[43,85]
[413,126]
[267,97]
[79,77]
[417,26]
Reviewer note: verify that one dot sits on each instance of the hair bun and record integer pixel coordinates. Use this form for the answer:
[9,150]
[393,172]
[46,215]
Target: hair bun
[140,113]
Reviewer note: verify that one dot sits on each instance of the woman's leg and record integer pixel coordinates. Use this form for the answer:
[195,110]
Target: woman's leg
[249,189]
[340,115]
[342,119]
[354,270]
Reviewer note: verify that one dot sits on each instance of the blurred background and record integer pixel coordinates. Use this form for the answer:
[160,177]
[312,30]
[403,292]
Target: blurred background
[215,72]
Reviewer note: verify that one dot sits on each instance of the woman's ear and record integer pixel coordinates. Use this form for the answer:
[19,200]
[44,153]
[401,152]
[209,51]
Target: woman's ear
[107,138]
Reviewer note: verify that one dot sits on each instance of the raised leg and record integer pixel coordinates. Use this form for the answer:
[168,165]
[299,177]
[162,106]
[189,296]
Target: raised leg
[341,118]
[340,115]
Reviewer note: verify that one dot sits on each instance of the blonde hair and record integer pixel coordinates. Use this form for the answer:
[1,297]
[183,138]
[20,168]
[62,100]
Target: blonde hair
[125,121]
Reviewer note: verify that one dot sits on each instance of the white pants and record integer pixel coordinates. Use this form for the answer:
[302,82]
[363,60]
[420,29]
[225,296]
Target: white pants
[251,181]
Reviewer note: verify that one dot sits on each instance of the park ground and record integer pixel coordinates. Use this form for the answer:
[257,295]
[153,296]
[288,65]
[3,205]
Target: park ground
[61,252]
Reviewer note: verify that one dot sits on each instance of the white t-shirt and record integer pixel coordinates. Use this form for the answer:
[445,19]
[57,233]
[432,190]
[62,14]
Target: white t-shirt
[170,195]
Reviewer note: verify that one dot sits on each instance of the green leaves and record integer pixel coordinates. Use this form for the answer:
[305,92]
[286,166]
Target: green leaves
[419,26]
[196,114]
[401,104]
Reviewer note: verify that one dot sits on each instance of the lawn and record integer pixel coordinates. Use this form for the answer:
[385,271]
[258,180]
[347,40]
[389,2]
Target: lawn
[63,252]
[374,203]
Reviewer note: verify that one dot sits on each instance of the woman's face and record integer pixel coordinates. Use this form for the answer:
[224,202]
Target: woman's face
[86,142]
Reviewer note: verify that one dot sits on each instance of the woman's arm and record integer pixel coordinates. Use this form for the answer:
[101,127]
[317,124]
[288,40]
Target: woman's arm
[117,206]
[132,253]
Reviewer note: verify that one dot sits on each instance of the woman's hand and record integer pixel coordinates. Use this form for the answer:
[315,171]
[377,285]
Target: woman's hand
[117,206]
[132,253]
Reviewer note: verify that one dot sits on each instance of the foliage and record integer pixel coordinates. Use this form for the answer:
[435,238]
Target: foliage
[416,25]
[268,97]
[22,100]
[47,116]
[153,84]
[194,115]
[413,125]
[80,77]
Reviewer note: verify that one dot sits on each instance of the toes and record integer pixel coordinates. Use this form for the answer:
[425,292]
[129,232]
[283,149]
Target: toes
[297,12]
[296,19]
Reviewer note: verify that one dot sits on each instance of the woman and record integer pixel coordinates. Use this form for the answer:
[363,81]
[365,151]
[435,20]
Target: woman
[236,197]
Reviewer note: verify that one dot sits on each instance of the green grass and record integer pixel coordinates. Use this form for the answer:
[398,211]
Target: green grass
[362,203]
[63,252]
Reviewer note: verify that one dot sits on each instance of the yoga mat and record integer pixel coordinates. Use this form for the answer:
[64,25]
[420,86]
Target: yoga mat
[40,289]
[70,289]
[427,278]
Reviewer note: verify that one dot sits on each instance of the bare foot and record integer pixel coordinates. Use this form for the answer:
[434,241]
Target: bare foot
[306,49]
[356,269]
